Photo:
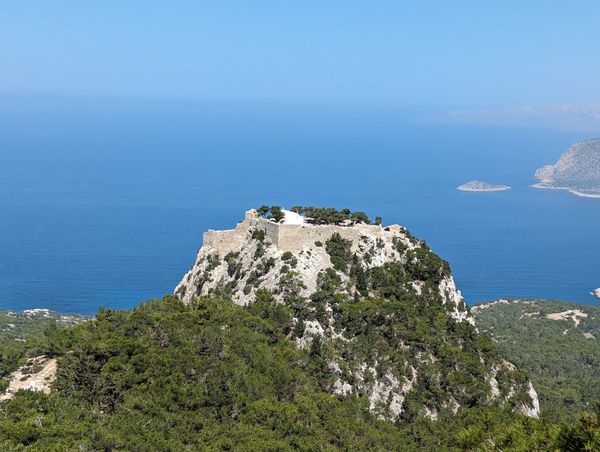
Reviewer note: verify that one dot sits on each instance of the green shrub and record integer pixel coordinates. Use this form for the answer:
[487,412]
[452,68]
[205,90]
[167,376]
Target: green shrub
[340,252]
[276,214]
[290,259]
[233,265]
[259,234]
[260,250]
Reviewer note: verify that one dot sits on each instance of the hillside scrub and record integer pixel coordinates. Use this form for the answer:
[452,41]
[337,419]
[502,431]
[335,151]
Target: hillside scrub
[562,360]
[217,376]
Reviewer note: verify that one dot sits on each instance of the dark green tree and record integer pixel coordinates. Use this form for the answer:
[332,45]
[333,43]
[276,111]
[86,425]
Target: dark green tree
[276,214]
[262,210]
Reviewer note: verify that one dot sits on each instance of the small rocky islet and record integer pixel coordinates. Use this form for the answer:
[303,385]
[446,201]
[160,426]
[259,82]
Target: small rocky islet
[479,186]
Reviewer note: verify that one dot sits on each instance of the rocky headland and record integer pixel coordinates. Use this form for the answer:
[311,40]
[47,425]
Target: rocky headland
[577,170]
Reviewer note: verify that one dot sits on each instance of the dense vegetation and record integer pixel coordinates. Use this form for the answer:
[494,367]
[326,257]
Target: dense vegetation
[319,215]
[217,376]
[562,360]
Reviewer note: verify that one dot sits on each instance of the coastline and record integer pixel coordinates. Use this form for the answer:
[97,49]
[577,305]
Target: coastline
[541,186]
[483,189]
[584,195]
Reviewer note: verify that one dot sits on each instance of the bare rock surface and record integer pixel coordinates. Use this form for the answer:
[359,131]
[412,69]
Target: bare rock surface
[37,375]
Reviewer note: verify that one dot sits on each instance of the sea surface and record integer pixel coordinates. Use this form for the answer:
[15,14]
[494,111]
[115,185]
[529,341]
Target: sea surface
[103,202]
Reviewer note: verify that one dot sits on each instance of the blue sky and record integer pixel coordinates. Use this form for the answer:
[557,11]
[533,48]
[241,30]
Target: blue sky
[459,55]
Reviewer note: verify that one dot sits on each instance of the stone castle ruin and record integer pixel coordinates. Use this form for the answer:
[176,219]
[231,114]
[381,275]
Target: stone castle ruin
[290,237]
[232,257]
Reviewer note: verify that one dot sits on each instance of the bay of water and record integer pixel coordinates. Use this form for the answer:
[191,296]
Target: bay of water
[103,203]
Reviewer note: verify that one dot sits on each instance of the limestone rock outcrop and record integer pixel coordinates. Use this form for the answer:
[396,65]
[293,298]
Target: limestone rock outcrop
[37,375]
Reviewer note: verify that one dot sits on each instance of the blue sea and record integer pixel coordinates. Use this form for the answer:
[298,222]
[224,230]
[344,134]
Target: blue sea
[103,202]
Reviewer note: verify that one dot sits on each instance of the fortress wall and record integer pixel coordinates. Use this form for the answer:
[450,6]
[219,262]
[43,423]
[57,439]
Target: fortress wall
[222,241]
[286,237]
[271,230]
[294,237]
[232,239]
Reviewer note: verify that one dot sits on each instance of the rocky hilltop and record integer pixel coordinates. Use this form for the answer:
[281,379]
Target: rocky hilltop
[374,302]
[577,170]
[289,258]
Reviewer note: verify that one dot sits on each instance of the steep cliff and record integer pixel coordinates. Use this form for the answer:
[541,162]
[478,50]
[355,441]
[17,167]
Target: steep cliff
[378,309]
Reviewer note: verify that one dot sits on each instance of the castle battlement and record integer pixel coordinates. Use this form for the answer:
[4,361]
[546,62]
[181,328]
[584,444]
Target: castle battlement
[288,237]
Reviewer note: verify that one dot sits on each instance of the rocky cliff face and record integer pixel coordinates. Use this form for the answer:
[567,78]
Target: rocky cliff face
[374,302]
[577,170]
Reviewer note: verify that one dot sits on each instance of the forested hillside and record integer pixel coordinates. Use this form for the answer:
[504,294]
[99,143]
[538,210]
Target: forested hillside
[217,376]
[557,343]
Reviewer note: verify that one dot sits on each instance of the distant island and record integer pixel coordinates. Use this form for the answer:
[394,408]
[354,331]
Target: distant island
[477,185]
[577,170]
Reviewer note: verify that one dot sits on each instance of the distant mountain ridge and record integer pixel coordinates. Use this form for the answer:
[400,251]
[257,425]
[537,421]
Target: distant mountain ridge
[577,170]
